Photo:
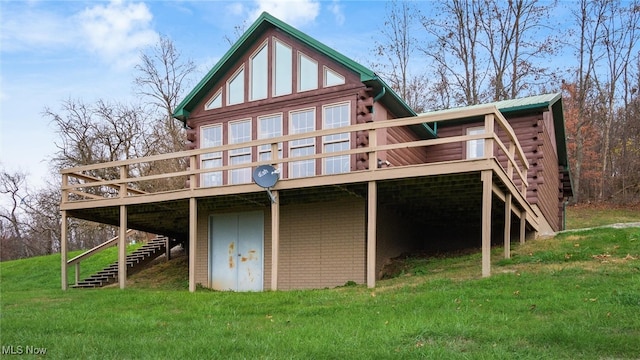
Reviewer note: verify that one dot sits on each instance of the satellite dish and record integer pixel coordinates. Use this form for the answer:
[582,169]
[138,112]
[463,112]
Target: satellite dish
[266,176]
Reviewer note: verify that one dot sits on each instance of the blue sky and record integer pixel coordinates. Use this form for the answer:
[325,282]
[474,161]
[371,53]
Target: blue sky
[51,51]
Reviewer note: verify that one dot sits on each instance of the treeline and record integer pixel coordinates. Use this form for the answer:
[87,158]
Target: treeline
[465,52]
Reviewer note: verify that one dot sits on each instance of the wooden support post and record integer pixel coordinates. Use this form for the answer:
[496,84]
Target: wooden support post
[373,155]
[275,240]
[123,186]
[122,248]
[489,129]
[193,238]
[63,250]
[487,180]
[512,154]
[193,166]
[77,277]
[275,224]
[167,252]
[372,219]
[507,226]
[523,224]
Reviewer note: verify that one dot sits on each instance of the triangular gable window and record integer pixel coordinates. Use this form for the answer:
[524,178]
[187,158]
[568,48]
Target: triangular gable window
[215,101]
[332,78]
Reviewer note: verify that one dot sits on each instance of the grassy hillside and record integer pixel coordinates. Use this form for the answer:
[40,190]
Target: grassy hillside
[574,296]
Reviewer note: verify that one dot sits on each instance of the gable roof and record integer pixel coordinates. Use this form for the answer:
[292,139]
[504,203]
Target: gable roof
[388,97]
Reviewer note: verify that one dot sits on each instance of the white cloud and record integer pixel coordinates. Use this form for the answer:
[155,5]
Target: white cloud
[48,30]
[117,31]
[235,8]
[293,12]
[336,10]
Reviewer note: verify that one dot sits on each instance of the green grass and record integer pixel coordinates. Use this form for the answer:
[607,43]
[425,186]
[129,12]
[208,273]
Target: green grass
[574,296]
[586,216]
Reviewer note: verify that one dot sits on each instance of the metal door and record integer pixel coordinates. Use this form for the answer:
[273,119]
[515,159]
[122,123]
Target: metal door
[236,251]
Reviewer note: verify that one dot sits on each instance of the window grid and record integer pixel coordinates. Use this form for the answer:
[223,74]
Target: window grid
[302,122]
[211,137]
[269,127]
[240,132]
[335,116]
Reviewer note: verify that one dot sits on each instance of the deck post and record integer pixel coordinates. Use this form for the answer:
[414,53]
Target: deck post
[275,240]
[63,250]
[193,227]
[487,186]
[489,128]
[507,226]
[523,224]
[122,248]
[372,210]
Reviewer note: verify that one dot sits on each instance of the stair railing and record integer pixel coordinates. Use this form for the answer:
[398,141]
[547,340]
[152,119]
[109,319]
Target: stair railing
[87,254]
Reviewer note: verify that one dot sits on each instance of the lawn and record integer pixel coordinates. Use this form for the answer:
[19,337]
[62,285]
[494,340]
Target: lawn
[574,296]
[592,215]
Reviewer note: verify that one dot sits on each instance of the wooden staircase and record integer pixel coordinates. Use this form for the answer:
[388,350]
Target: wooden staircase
[136,261]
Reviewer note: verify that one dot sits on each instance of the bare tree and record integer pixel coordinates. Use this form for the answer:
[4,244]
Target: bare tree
[510,28]
[162,78]
[619,37]
[454,47]
[397,46]
[488,50]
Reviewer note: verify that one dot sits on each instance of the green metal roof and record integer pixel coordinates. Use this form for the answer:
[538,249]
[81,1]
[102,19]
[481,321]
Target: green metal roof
[389,99]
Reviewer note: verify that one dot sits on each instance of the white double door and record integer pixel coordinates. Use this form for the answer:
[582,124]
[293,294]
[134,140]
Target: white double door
[236,251]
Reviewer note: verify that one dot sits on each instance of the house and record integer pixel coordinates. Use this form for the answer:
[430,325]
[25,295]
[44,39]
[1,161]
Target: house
[361,177]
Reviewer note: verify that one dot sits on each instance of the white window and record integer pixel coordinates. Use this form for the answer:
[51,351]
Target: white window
[211,136]
[240,132]
[269,127]
[215,101]
[235,88]
[307,73]
[475,148]
[259,74]
[335,116]
[283,69]
[332,78]
[302,121]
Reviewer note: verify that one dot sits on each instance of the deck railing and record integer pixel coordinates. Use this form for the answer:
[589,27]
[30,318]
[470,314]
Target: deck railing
[128,180]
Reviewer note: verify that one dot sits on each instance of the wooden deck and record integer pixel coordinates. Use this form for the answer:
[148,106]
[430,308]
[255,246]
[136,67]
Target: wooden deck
[429,192]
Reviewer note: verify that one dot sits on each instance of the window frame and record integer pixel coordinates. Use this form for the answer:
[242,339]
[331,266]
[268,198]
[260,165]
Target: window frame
[217,95]
[306,143]
[230,83]
[252,74]
[325,71]
[300,57]
[287,74]
[239,152]
[474,148]
[211,157]
[266,149]
[344,138]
